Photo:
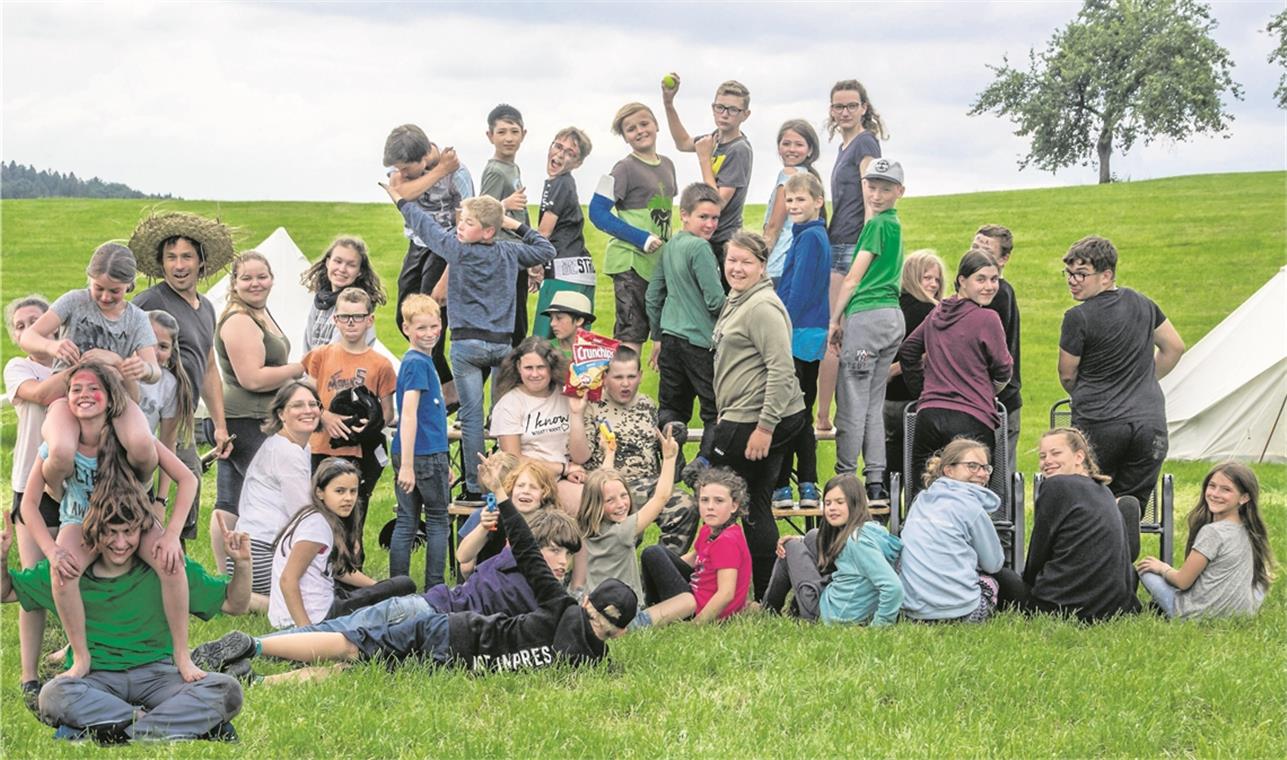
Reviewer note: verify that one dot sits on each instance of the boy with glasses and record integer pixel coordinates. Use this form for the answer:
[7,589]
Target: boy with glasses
[1108,365]
[723,156]
[351,377]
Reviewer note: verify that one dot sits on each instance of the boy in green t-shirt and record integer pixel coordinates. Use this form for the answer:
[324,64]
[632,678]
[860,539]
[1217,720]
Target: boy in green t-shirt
[129,639]
[866,330]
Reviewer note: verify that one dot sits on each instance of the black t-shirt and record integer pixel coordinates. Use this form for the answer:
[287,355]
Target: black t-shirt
[572,263]
[1006,307]
[196,327]
[1113,335]
[914,312]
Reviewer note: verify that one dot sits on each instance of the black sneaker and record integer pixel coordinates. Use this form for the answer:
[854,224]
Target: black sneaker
[470,498]
[694,469]
[216,655]
[31,696]
[877,496]
[224,732]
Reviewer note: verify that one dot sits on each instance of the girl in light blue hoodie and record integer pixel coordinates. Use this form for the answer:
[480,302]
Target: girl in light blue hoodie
[844,571]
[950,548]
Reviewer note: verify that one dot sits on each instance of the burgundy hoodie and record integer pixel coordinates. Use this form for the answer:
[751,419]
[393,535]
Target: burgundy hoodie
[964,353]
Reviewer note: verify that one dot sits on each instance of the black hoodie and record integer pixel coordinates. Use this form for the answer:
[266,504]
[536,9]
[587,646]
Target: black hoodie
[557,631]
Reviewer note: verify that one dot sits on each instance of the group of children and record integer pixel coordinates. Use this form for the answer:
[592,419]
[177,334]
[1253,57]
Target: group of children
[549,580]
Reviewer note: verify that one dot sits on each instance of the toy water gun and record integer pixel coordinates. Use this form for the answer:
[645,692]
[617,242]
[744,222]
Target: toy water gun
[605,432]
[491,506]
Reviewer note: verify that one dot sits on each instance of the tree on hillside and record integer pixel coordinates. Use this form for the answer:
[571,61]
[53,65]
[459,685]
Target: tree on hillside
[21,181]
[1278,27]
[1121,71]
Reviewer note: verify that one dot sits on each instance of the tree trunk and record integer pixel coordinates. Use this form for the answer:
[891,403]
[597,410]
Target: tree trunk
[1104,147]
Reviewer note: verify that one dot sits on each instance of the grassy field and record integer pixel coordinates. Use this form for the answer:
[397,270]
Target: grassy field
[763,687]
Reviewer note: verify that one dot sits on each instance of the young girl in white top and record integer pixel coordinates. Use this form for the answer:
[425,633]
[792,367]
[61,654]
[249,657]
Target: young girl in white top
[31,384]
[610,530]
[1228,564]
[798,147]
[315,548]
[169,403]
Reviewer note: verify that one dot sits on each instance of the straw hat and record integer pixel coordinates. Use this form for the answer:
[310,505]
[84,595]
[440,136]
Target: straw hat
[214,239]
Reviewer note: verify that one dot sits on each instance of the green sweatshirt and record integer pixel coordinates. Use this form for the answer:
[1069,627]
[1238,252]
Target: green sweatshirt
[685,294]
[754,374]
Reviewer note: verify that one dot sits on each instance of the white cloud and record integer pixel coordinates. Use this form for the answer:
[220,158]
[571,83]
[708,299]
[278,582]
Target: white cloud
[239,101]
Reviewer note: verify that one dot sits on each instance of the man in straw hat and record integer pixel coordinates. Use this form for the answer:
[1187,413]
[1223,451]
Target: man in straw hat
[183,248]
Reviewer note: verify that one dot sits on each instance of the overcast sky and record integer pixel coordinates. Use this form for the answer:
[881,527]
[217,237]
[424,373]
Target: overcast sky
[293,101]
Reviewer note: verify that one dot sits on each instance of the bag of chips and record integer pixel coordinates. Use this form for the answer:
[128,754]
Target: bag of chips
[590,357]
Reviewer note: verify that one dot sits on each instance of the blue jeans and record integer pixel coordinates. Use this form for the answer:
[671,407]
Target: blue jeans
[468,360]
[388,612]
[1162,592]
[430,498]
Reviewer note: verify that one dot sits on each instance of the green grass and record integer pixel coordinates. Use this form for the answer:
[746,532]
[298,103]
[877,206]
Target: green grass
[761,687]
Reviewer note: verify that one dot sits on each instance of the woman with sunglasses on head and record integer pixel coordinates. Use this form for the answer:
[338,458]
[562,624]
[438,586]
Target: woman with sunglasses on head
[950,549]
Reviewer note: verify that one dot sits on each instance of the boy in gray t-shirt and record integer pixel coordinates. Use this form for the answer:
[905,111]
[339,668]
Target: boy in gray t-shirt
[724,156]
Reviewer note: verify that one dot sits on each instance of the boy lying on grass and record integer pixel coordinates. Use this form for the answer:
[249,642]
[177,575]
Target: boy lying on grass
[559,630]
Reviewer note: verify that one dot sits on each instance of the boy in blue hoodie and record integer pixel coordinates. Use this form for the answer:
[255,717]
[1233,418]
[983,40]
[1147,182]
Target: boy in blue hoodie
[808,262]
[481,317]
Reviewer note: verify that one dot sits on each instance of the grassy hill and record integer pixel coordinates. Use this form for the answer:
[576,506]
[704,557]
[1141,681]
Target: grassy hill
[1197,245]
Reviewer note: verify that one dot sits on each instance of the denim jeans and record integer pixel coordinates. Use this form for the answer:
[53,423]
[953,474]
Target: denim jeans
[389,612]
[1162,592]
[870,341]
[430,498]
[468,360]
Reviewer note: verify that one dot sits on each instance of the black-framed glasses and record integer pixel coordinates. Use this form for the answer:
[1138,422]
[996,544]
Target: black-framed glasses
[730,110]
[976,467]
[842,107]
[351,319]
[1076,278]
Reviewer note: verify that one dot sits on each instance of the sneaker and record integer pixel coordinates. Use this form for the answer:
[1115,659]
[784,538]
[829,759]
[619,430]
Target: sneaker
[216,655]
[71,734]
[693,469]
[809,496]
[877,496]
[782,498]
[224,732]
[241,670]
[470,498]
[31,696]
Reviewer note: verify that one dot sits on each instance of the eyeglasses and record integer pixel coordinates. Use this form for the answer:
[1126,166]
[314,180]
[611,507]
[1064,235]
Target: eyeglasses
[845,107]
[310,404]
[351,319]
[976,467]
[1076,278]
[730,110]
[570,152]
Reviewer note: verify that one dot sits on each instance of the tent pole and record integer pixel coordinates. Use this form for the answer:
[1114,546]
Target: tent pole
[1269,438]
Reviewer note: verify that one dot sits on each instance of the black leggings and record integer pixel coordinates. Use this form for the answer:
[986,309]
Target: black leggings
[935,428]
[729,450]
[805,455]
[664,574]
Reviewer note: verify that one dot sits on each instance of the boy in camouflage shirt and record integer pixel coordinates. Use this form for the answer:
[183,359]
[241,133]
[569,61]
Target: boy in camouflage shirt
[631,418]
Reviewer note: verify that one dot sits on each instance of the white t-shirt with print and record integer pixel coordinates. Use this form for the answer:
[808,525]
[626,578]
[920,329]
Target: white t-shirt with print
[541,423]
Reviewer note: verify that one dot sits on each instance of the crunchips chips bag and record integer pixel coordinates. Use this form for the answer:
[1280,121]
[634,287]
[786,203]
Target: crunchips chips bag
[590,357]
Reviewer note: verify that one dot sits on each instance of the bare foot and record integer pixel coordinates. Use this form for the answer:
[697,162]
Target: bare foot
[188,669]
[305,675]
[57,657]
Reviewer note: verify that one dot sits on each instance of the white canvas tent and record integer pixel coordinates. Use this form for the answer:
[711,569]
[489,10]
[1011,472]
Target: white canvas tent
[1226,398]
[289,301]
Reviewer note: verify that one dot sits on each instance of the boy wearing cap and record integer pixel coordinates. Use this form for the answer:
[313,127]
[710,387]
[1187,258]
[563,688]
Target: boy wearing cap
[866,328]
[568,312]
[559,630]
[684,298]
[562,222]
